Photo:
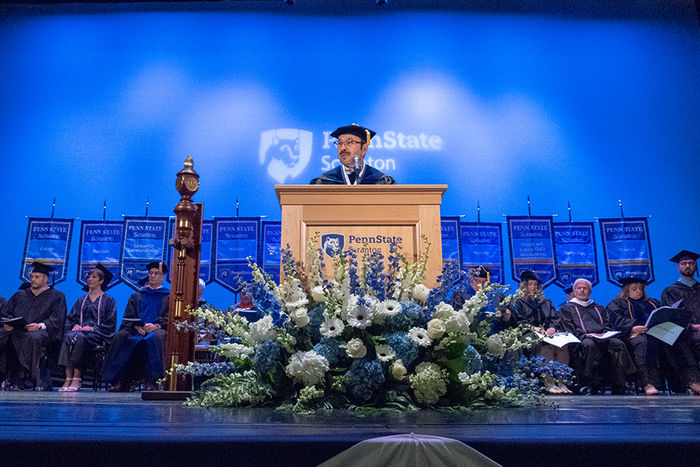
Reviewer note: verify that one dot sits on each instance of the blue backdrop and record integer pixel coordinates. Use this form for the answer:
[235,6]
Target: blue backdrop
[107,105]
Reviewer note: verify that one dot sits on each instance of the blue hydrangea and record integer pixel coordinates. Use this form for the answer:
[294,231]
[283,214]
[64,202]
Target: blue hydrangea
[363,379]
[541,366]
[329,348]
[406,350]
[411,315]
[266,355]
[474,363]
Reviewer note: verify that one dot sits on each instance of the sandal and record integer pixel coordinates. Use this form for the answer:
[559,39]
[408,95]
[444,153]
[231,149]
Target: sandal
[650,390]
[73,387]
[66,385]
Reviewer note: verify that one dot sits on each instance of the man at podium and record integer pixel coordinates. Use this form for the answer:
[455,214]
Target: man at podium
[353,143]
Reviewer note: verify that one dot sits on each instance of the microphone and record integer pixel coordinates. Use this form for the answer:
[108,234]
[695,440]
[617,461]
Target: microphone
[356,163]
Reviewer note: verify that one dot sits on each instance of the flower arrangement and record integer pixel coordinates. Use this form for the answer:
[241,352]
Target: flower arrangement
[371,337]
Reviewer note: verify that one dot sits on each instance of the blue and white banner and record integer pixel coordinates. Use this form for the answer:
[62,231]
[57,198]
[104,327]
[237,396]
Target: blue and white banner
[235,240]
[270,248]
[627,249]
[100,242]
[145,240]
[482,245]
[532,247]
[48,242]
[205,254]
[451,239]
[576,253]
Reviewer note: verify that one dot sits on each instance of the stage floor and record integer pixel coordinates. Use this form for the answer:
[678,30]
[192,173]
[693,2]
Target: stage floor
[116,429]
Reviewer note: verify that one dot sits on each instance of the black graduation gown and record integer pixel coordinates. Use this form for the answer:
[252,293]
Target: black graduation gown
[128,340]
[371,176]
[101,315]
[49,307]
[4,341]
[594,318]
[691,302]
[539,313]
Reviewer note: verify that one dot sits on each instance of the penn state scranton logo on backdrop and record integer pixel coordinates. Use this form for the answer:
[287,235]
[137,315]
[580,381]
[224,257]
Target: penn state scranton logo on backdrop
[286,151]
[332,244]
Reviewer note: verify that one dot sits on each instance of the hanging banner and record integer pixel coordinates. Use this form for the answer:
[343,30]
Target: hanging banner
[482,245]
[100,242]
[48,242]
[451,239]
[270,248]
[145,240]
[205,254]
[576,252]
[235,240]
[532,247]
[627,249]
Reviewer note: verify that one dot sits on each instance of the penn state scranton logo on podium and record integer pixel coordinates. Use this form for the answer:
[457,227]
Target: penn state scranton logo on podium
[332,244]
[286,151]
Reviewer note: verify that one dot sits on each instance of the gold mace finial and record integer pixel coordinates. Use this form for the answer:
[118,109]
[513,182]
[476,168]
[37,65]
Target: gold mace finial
[189,163]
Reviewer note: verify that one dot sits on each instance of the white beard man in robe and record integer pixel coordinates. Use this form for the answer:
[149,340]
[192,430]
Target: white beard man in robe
[43,310]
[587,319]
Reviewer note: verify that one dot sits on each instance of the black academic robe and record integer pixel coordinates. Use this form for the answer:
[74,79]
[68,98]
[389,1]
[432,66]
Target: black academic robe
[594,318]
[539,313]
[371,176]
[127,341]
[691,302]
[100,314]
[49,307]
[4,341]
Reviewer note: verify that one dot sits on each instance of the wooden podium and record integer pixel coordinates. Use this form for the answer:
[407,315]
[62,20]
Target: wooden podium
[363,217]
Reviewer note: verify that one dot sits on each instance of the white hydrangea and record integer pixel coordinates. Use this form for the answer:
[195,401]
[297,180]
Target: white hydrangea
[443,311]
[262,330]
[429,383]
[457,323]
[309,368]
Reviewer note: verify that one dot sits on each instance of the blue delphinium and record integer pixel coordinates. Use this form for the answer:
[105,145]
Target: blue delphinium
[474,362]
[376,278]
[363,379]
[452,277]
[266,355]
[406,350]
[315,320]
[329,348]
[351,258]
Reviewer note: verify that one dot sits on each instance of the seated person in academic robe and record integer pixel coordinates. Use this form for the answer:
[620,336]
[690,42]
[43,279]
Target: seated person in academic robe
[353,143]
[40,311]
[569,293]
[141,334]
[4,340]
[90,323]
[687,289]
[586,319]
[245,307]
[535,309]
[634,306]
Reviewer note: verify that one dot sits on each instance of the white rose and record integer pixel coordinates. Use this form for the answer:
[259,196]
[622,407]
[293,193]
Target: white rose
[356,348]
[398,371]
[300,317]
[420,293]
[436,328]
[317,294]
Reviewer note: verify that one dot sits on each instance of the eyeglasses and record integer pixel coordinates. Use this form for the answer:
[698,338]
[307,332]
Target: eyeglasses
[340,144]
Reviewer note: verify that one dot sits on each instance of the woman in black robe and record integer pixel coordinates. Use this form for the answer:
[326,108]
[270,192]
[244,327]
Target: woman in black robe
[539,312]
[633,306]
[91,321]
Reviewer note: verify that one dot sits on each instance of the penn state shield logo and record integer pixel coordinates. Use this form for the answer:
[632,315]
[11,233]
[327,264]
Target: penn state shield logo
[285,151]
[332,244]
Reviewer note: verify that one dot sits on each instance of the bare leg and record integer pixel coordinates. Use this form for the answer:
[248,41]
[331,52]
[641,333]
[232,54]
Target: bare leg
[75,384]
[69,378]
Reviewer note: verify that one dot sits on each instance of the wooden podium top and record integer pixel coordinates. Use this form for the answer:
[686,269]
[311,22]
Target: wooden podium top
[359,194]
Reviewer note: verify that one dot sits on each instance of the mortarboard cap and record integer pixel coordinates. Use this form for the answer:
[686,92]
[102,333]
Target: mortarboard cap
[108,276]
[42,268]
[157,265]
[528,275]
[481,271]
[683,255]
[365,134]
[631,280]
